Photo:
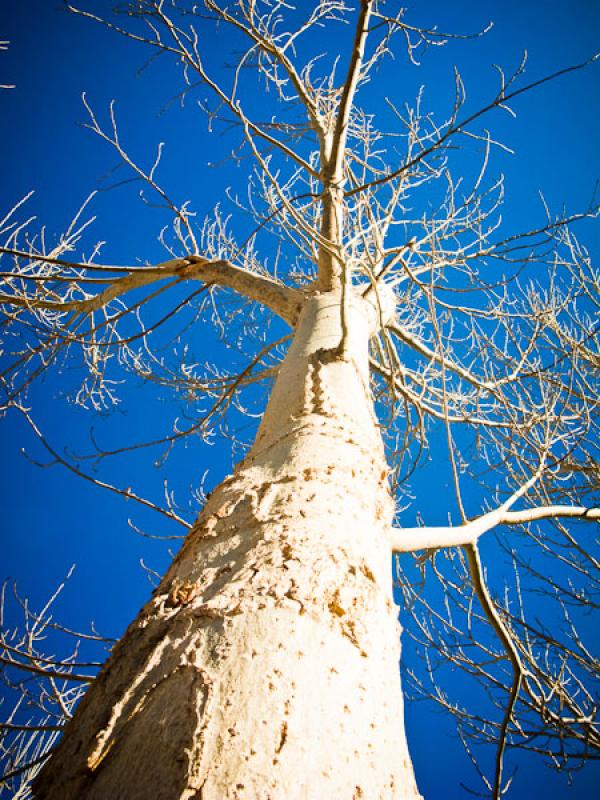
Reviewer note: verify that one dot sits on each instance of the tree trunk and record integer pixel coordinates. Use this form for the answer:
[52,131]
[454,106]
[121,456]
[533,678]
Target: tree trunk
[265,666]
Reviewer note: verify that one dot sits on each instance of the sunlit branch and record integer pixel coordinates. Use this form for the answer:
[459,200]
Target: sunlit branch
[283,300]
[408,540]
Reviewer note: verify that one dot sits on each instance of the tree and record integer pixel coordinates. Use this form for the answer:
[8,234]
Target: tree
[409,304]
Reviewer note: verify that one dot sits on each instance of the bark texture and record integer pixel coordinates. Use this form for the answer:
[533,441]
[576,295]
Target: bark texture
[265,666]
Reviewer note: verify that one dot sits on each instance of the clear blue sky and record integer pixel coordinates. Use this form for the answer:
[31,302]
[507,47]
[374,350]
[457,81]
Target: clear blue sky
[50,519]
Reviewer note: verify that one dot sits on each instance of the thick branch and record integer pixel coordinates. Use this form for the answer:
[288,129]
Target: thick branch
[283,301]
[331,264]
[338,148]
[407,540]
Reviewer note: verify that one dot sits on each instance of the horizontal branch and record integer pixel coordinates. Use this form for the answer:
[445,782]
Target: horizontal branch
[283,301]
[407,540]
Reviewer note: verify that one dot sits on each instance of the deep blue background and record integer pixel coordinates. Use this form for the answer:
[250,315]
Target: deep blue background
[50,519]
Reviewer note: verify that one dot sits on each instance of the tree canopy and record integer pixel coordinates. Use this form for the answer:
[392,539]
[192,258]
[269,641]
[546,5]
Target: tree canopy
[328,166]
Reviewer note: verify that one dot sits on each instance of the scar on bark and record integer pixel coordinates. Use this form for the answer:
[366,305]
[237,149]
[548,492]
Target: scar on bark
[283,737]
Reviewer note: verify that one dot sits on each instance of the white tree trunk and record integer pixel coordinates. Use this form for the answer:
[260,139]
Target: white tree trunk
[266,664]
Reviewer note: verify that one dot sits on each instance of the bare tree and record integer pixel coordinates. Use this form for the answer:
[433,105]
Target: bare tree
[413,316]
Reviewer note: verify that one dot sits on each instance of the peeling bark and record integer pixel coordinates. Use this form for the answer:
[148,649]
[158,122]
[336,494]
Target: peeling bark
[266,663]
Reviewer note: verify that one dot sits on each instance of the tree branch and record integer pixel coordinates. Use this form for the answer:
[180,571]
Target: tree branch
[487,604]
[340,133]
[407,540]
[283,301]
[498,102]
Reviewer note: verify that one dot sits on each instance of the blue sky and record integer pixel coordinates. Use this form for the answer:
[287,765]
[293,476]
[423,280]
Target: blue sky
[50,519]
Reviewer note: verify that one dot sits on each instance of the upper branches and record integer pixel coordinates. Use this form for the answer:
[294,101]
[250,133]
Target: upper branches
[493,340]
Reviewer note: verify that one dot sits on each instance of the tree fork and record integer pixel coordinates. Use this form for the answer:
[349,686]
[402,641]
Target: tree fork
[273,632]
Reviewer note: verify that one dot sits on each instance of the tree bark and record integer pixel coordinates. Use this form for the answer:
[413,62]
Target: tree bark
[265,666]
